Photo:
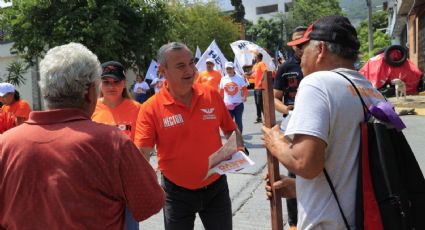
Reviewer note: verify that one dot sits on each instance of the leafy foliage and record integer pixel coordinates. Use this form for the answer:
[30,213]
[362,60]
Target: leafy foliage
[239,13]
[16,70]
[276,32]
[380,39]
[305,12]
[201,23]
[357,10]
[129,31]
[266,33]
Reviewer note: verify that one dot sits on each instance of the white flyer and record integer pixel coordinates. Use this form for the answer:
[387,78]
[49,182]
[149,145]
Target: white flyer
[238,162]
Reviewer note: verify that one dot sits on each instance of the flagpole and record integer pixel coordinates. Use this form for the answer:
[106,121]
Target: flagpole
[272,162]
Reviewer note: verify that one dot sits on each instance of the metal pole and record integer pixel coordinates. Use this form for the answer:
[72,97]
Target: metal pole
[370,28]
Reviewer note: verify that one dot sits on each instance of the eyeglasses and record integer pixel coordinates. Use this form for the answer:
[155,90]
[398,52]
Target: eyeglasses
[110,83]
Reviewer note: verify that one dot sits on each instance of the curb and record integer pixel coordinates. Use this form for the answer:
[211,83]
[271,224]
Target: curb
[418,111]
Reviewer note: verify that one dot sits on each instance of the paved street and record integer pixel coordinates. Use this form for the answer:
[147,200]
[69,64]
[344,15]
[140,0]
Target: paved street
[250,208]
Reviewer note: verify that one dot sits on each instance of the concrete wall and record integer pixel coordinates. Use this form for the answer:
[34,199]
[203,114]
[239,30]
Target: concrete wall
[251,6]
[6,58]
[26,90]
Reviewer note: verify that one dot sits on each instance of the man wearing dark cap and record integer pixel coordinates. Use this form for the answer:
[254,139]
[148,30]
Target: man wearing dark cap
[323,131]
[288,77]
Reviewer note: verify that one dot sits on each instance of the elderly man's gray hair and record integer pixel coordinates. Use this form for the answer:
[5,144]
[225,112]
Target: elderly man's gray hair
[162,52]
[338,49]
[66,73]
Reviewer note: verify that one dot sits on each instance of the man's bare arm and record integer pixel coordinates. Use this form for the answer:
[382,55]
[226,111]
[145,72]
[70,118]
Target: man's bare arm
[146,152]
[278,104]
[239,138]
[305,156]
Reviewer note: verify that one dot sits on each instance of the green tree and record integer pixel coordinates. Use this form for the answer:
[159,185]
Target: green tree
[304,13]
[129,31]
[16,70]
[239,13]
[266,33]
[201,23]
[380,39]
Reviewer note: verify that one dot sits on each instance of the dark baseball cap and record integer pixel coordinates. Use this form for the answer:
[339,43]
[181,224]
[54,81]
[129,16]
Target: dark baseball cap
[113,69]
[335,29]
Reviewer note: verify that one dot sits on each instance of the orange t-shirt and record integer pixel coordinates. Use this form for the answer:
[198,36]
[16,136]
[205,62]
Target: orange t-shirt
[184,136]
[124,116]
[19,108]
[211,79]
[258,71]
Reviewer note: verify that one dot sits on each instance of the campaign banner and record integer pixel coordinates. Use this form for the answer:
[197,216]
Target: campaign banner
[152,72]
[238,68]
[215,53]
[198,53]
[245,52]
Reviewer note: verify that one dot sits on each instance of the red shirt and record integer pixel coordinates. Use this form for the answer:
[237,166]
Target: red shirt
[184,136]
[59,170]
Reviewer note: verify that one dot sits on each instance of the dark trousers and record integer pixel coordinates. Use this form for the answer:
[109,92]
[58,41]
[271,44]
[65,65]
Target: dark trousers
[258,97]
[130,222]
[236,114]
[291,205]
[212,203]
[141,97]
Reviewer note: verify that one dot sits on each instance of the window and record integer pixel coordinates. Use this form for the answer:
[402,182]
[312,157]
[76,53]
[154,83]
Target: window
[266,9]
[288,6]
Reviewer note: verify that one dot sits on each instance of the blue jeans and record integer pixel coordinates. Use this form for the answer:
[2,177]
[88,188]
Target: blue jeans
[236,114]
[212,203]
[141,97]
[130,222]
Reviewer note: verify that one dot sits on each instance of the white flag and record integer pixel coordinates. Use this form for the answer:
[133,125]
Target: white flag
[152,70]
[245,53]
[198,53]
[238,68]
[215,53]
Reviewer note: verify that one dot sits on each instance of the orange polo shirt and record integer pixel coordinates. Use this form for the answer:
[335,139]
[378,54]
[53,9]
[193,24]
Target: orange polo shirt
[258,71]
[19,108]
[123,116]
[211,79]
[184,136]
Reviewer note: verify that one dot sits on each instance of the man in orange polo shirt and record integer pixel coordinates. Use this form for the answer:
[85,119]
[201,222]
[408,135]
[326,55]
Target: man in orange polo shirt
[257,73]
[183,121]
[210,77]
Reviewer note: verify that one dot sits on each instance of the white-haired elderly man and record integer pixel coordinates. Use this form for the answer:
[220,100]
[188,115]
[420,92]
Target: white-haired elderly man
[60,170]
[323,131]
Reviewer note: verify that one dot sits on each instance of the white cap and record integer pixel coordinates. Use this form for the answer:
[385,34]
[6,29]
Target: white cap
[6,88]
[229,65]
[210,60]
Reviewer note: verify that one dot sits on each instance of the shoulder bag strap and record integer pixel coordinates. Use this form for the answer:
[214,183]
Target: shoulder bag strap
[328,179]
[365,108]
[336,198]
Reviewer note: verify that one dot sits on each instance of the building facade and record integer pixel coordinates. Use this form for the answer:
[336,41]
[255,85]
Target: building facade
[407,28]
[254,9]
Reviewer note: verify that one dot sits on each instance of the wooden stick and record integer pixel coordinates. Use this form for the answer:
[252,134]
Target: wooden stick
[272,162]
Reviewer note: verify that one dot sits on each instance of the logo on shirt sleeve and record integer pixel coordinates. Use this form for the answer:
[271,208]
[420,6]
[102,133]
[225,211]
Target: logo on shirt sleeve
[208,114]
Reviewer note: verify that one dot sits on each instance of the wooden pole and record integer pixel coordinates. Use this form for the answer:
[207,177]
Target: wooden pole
[272,162]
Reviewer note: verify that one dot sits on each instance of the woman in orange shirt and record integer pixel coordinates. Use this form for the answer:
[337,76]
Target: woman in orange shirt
[115,107]
[12,103]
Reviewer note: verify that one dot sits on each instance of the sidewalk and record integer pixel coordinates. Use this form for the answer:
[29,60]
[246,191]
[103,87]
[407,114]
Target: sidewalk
[412,102]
